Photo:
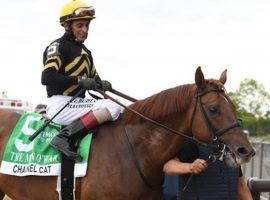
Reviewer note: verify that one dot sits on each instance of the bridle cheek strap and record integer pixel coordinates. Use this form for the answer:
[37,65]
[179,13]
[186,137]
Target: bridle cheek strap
[215,134]
[210,127]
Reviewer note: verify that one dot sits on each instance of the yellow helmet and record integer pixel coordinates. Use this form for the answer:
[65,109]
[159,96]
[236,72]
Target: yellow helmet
[76,10]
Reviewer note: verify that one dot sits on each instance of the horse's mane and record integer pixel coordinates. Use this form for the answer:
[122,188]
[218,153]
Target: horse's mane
[167,102]
[161,104]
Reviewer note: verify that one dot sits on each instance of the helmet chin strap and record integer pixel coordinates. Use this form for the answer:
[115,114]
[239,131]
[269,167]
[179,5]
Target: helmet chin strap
[69,32]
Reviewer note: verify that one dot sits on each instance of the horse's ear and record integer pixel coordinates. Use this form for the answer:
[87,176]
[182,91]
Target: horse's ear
[199,79]
[223,77]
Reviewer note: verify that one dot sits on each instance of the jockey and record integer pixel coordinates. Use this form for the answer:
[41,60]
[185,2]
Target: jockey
[68,68]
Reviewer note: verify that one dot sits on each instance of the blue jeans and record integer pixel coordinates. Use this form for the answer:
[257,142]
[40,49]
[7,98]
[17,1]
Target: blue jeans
[170,187]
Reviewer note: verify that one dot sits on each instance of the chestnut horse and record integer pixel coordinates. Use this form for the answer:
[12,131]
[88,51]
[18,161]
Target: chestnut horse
[128,155]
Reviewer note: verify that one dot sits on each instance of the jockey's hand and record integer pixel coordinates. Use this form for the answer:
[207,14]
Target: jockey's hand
[198,166]
[98,82]
[87,83]
[106,85]
[102,84]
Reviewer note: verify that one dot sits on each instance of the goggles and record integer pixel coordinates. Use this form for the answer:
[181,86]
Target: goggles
[79,13]
[83,12]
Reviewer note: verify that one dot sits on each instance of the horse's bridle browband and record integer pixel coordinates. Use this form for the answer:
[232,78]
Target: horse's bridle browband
[217,145]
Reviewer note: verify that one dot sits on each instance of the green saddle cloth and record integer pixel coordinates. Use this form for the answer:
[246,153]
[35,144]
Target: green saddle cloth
[23,157]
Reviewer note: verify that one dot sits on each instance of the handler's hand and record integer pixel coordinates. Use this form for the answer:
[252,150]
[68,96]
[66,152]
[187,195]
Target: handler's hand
[198,166]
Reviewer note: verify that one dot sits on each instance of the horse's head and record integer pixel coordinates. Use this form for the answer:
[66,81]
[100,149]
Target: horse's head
[214,119]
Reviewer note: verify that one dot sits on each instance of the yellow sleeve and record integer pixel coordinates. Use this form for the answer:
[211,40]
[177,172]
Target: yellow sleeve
[93,71]
[54,62]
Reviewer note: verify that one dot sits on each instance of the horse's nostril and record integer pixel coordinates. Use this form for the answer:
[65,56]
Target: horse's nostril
[242,151]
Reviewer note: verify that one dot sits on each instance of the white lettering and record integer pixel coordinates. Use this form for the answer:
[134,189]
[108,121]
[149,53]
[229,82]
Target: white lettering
[26,130]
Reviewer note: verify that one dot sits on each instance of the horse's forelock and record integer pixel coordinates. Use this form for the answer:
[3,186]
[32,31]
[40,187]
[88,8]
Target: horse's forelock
[215,83]
[161,104]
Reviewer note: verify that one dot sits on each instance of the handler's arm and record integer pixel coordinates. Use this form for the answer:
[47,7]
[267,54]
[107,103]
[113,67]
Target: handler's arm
[243,191]
[176,167]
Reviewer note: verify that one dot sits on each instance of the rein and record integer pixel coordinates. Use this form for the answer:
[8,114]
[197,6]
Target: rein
[217,145]
[137,164]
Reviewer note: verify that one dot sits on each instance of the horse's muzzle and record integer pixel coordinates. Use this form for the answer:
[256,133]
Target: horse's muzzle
[238,156]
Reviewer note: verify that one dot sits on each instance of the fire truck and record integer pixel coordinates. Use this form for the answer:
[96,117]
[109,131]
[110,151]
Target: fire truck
[19,106]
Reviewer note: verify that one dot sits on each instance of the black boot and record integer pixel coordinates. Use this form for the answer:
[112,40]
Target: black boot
[68,136]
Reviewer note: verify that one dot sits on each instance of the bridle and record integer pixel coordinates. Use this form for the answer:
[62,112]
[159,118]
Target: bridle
[211,129]
[216,144]
[214,133]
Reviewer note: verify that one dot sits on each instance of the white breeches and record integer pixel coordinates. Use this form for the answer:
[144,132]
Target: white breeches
[78,108]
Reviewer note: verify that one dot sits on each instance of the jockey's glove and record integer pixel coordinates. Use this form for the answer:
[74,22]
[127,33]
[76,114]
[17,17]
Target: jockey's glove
[106,85]
[87,83]
[102,84]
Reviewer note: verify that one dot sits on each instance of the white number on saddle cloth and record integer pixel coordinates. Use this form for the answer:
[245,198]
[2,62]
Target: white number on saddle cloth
[26,130]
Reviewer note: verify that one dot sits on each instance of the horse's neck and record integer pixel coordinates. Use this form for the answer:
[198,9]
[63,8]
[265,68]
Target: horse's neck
[154,145]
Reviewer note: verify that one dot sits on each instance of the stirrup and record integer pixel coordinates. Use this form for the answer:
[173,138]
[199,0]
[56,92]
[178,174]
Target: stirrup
[64,147]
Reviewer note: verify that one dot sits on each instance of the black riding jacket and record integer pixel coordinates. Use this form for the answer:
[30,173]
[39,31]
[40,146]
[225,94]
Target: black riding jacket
[64,60]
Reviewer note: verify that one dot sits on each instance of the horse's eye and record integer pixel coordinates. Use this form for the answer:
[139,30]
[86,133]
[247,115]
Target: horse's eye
[213,110]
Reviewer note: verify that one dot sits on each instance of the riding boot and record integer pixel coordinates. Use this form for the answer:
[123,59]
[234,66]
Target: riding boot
[68,136]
